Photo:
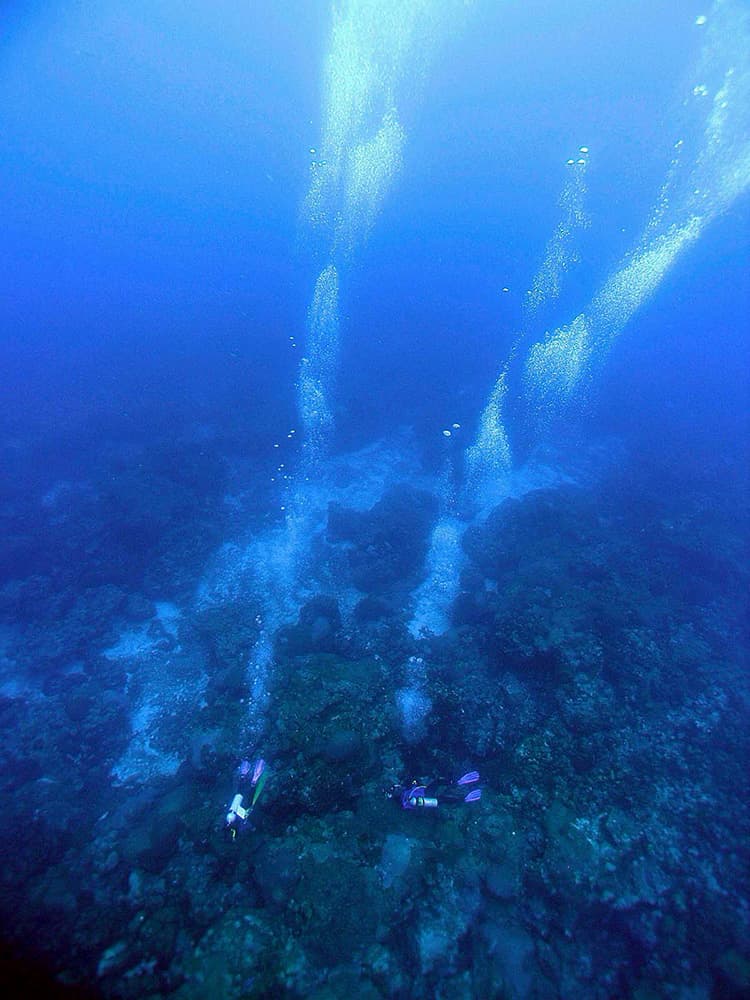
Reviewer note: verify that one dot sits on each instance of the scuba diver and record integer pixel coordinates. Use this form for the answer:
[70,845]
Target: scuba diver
[437,792]
[255,775]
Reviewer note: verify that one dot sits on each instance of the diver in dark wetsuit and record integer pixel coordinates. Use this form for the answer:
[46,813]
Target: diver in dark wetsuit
[437,792]
[243,802]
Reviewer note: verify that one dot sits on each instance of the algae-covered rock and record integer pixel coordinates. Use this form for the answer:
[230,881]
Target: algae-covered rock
[388,543]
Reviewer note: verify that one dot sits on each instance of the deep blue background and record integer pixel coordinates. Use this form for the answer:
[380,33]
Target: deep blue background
[153,266]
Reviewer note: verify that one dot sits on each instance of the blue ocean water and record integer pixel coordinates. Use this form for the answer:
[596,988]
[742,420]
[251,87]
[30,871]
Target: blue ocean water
[374,412]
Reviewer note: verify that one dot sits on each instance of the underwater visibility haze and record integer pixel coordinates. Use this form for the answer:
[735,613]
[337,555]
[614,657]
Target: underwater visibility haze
[374,448]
